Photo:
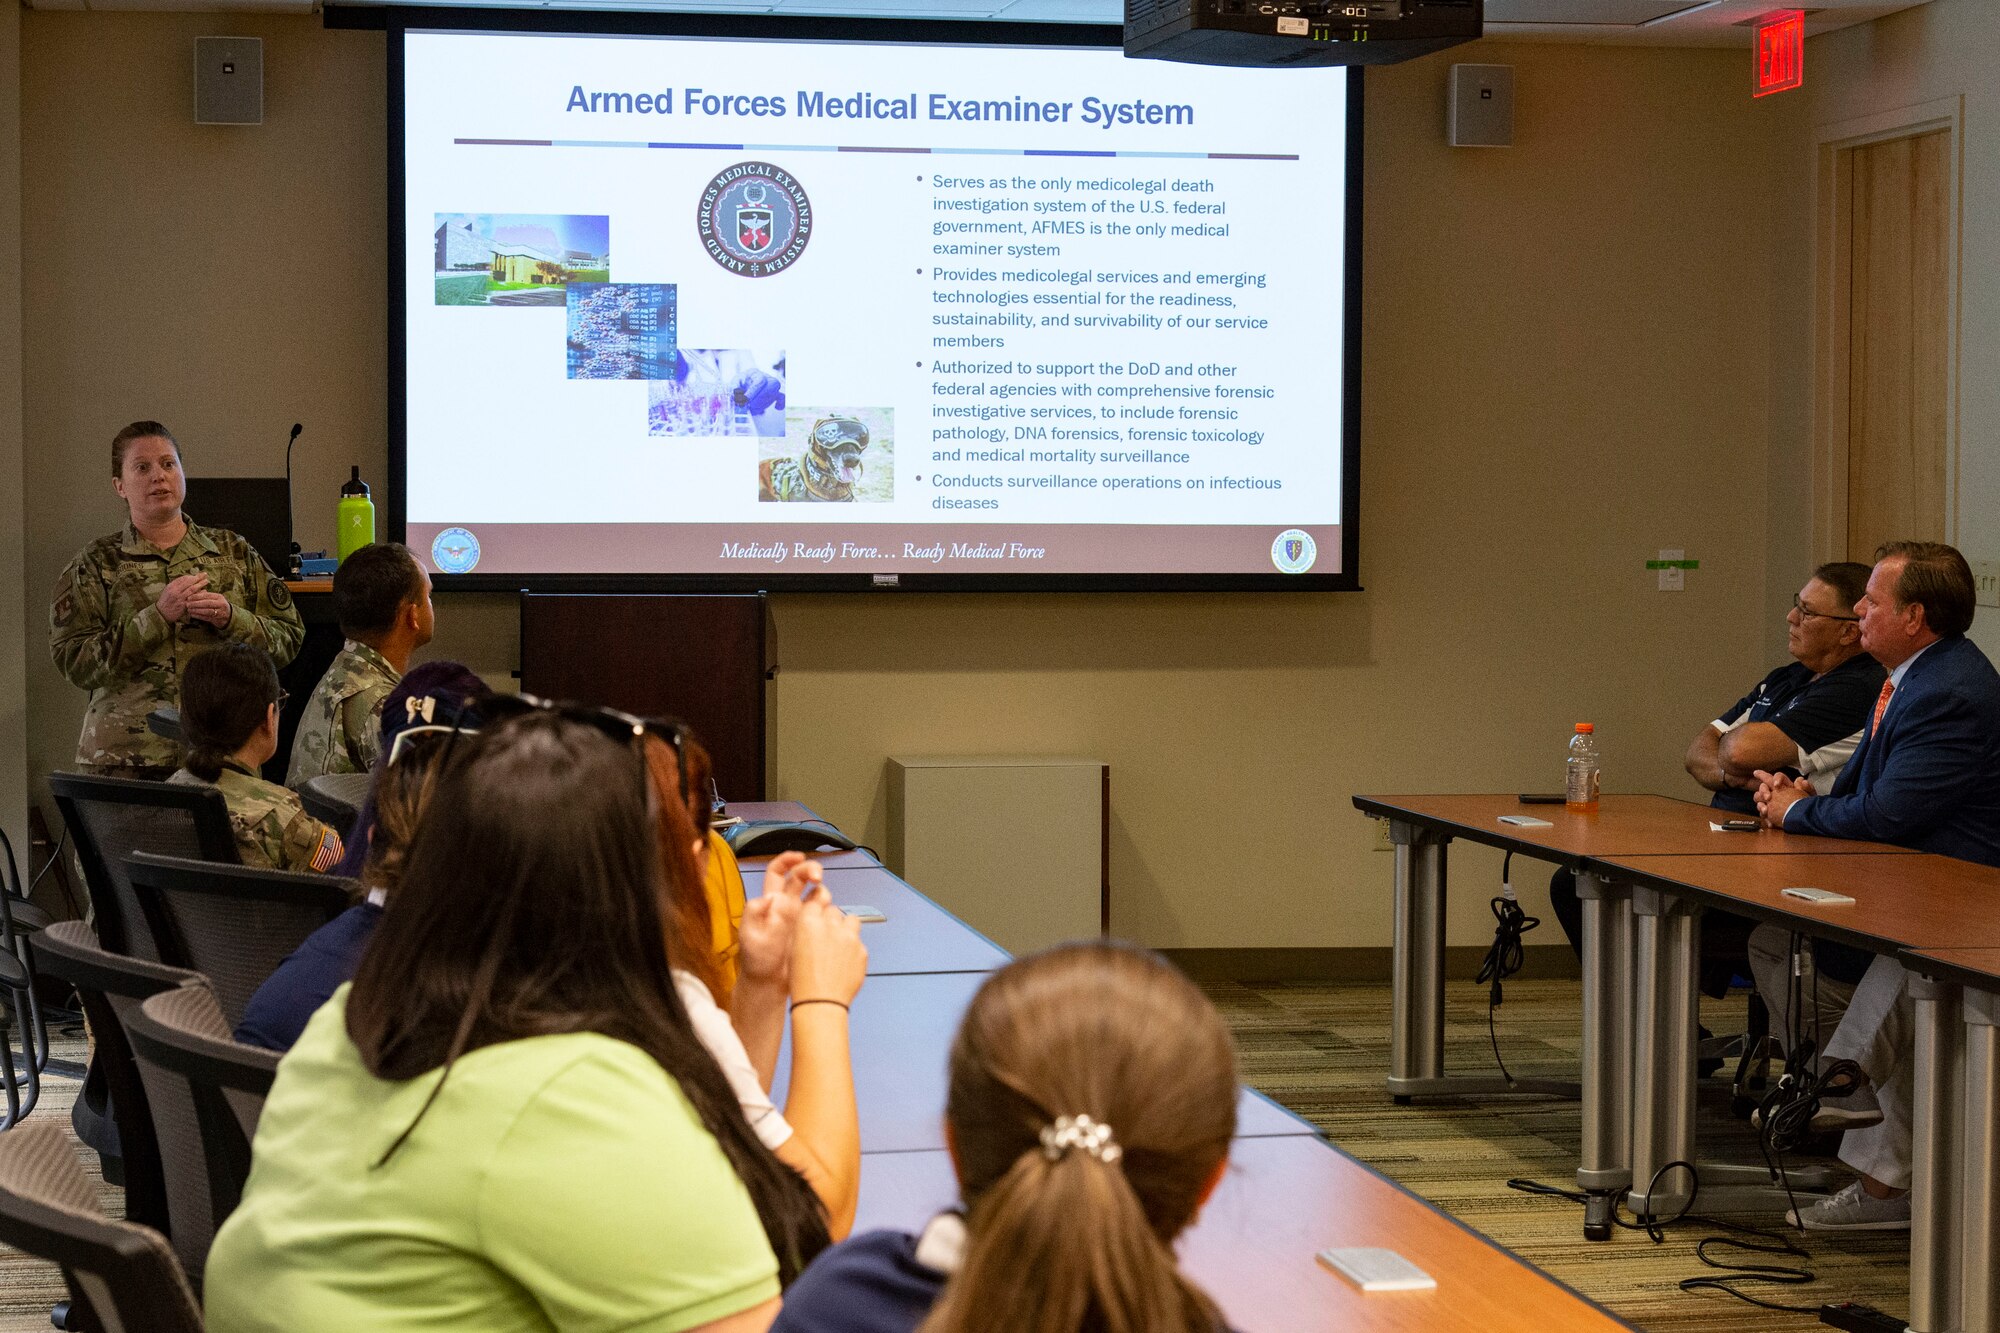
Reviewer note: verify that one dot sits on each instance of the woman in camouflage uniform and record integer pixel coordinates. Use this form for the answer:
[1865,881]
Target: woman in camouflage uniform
[229,715]
[133,608]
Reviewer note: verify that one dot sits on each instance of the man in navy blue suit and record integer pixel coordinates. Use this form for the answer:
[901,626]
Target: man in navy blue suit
[1926,776]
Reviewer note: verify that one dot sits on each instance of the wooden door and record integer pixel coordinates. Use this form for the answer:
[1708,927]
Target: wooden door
[1898,341]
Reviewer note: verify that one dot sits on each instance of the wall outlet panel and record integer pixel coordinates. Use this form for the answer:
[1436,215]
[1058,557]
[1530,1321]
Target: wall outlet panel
[1986,582]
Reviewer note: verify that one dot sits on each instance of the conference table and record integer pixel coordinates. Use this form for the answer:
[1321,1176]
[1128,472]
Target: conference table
[1646,868]
[1287,1195]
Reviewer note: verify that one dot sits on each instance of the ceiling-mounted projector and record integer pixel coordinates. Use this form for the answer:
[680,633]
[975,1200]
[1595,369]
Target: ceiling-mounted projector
[1296,32]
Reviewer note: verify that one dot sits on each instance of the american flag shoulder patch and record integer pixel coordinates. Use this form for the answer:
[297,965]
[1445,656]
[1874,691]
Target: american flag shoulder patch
[327,855]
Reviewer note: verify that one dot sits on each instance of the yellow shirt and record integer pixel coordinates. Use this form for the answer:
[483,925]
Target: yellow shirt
[725,909]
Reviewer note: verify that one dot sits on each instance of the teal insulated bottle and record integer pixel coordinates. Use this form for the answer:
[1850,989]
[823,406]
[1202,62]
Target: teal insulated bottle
[355,525]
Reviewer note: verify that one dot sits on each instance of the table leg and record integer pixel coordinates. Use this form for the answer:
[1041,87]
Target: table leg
[1979,1236]
[1416,1002]
[1416,1031]
[1663,1026]
[1605,1171]
[1934,1157]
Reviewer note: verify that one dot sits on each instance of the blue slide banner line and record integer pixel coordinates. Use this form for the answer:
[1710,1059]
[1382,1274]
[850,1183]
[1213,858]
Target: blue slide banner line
[863,148]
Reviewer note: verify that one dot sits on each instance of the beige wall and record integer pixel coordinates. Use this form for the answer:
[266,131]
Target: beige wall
[227,280]
[1567,347]
[13,646]
[1944,50]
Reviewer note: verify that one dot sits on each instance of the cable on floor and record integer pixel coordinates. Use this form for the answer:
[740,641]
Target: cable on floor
[1507,954]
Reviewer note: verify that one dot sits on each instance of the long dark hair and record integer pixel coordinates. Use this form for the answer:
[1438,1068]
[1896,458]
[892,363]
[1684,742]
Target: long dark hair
[534,902]
[226,693]
[1082,1241]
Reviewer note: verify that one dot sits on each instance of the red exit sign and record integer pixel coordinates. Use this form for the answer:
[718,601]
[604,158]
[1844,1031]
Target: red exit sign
[1781,52]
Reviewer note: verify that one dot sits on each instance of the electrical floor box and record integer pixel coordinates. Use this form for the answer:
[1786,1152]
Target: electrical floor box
[1012,844]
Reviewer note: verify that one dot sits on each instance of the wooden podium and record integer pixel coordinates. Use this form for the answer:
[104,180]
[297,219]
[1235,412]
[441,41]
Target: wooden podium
[702,658]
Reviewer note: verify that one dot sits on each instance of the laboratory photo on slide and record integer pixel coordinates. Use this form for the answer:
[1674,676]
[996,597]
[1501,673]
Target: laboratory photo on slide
[719,391]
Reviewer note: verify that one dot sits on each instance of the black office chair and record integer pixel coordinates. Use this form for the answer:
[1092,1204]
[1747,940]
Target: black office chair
[336,799]
[181,1038]
[111,818]
[19,917]
[118,1121]
[233,924]
[121,1275]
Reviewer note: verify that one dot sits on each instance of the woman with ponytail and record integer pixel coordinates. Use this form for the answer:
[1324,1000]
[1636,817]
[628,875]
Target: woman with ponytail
[229,721]
[506,1121]
[1092,1101]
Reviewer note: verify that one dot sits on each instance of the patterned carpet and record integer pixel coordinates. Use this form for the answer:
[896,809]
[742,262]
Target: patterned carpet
[1322,1050]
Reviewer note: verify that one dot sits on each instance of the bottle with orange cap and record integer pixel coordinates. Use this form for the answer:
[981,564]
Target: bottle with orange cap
[1580,785]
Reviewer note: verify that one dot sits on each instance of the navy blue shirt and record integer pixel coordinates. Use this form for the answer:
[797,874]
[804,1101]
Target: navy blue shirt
[278,1012]
[1822,715]
[871,1283]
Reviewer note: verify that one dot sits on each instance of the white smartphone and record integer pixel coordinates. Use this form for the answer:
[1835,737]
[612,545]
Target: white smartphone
[1824,897]
[1525,821]
[1373,1269]
[860,913]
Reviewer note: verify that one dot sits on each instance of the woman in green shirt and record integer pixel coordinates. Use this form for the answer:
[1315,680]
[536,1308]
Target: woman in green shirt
[506,1121]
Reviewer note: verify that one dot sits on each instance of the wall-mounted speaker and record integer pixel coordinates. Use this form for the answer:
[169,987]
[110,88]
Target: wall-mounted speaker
[1480,109]
[229,81]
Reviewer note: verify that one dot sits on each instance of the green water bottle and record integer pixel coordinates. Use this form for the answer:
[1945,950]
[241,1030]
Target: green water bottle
[355,525]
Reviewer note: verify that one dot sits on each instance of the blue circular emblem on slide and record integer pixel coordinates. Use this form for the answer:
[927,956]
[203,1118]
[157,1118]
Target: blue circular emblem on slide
[754,219]
[1294,552]
[454,551]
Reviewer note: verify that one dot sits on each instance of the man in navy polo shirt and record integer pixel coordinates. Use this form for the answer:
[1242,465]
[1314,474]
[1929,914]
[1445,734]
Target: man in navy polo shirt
[1804,719]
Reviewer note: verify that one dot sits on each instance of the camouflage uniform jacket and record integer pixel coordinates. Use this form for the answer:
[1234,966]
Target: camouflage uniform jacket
[341,728]
[272,829]
[107,635]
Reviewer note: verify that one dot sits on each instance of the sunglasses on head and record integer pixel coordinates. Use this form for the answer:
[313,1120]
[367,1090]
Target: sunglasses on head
[613,722]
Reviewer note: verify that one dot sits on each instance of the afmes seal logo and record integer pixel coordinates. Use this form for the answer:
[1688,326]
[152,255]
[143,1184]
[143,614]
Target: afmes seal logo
[454,551]
[1294,551]
[754,219]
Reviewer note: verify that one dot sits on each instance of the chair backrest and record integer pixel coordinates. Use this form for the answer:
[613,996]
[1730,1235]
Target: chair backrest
[111,985]
[111,818]
[123,1274]
[181,1035]
[336,798]
[232,924]
[170,1115]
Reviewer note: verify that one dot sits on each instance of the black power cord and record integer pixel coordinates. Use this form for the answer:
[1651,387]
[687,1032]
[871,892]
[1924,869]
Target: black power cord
[1732,1276]
[1507,954]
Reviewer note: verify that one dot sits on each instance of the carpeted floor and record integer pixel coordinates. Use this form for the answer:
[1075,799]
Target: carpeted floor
[1322,1050]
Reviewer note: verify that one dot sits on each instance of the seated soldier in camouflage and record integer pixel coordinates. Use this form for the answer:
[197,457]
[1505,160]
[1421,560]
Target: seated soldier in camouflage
[383,599]
[229,721]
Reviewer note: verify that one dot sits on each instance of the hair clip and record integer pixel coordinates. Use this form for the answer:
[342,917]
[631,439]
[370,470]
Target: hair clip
[1080,1131]
[425,708]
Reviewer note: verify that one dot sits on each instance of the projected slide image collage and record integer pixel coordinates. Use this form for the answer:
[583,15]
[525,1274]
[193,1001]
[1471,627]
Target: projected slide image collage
[517,259]
[631,331]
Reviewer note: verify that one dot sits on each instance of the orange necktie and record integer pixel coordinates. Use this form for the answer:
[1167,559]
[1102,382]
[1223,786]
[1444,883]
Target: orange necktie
[1881,705]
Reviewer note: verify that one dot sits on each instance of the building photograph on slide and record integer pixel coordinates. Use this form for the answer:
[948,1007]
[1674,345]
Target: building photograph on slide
[504,260]
[928,313]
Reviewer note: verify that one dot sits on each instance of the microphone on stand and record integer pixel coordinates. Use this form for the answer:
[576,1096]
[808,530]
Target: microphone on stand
[290,509]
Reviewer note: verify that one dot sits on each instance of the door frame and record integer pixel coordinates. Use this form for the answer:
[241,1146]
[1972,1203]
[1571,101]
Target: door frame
[1833,181]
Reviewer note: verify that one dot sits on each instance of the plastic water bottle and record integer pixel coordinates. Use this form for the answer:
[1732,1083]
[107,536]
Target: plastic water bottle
[354,523]
[1580,784]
